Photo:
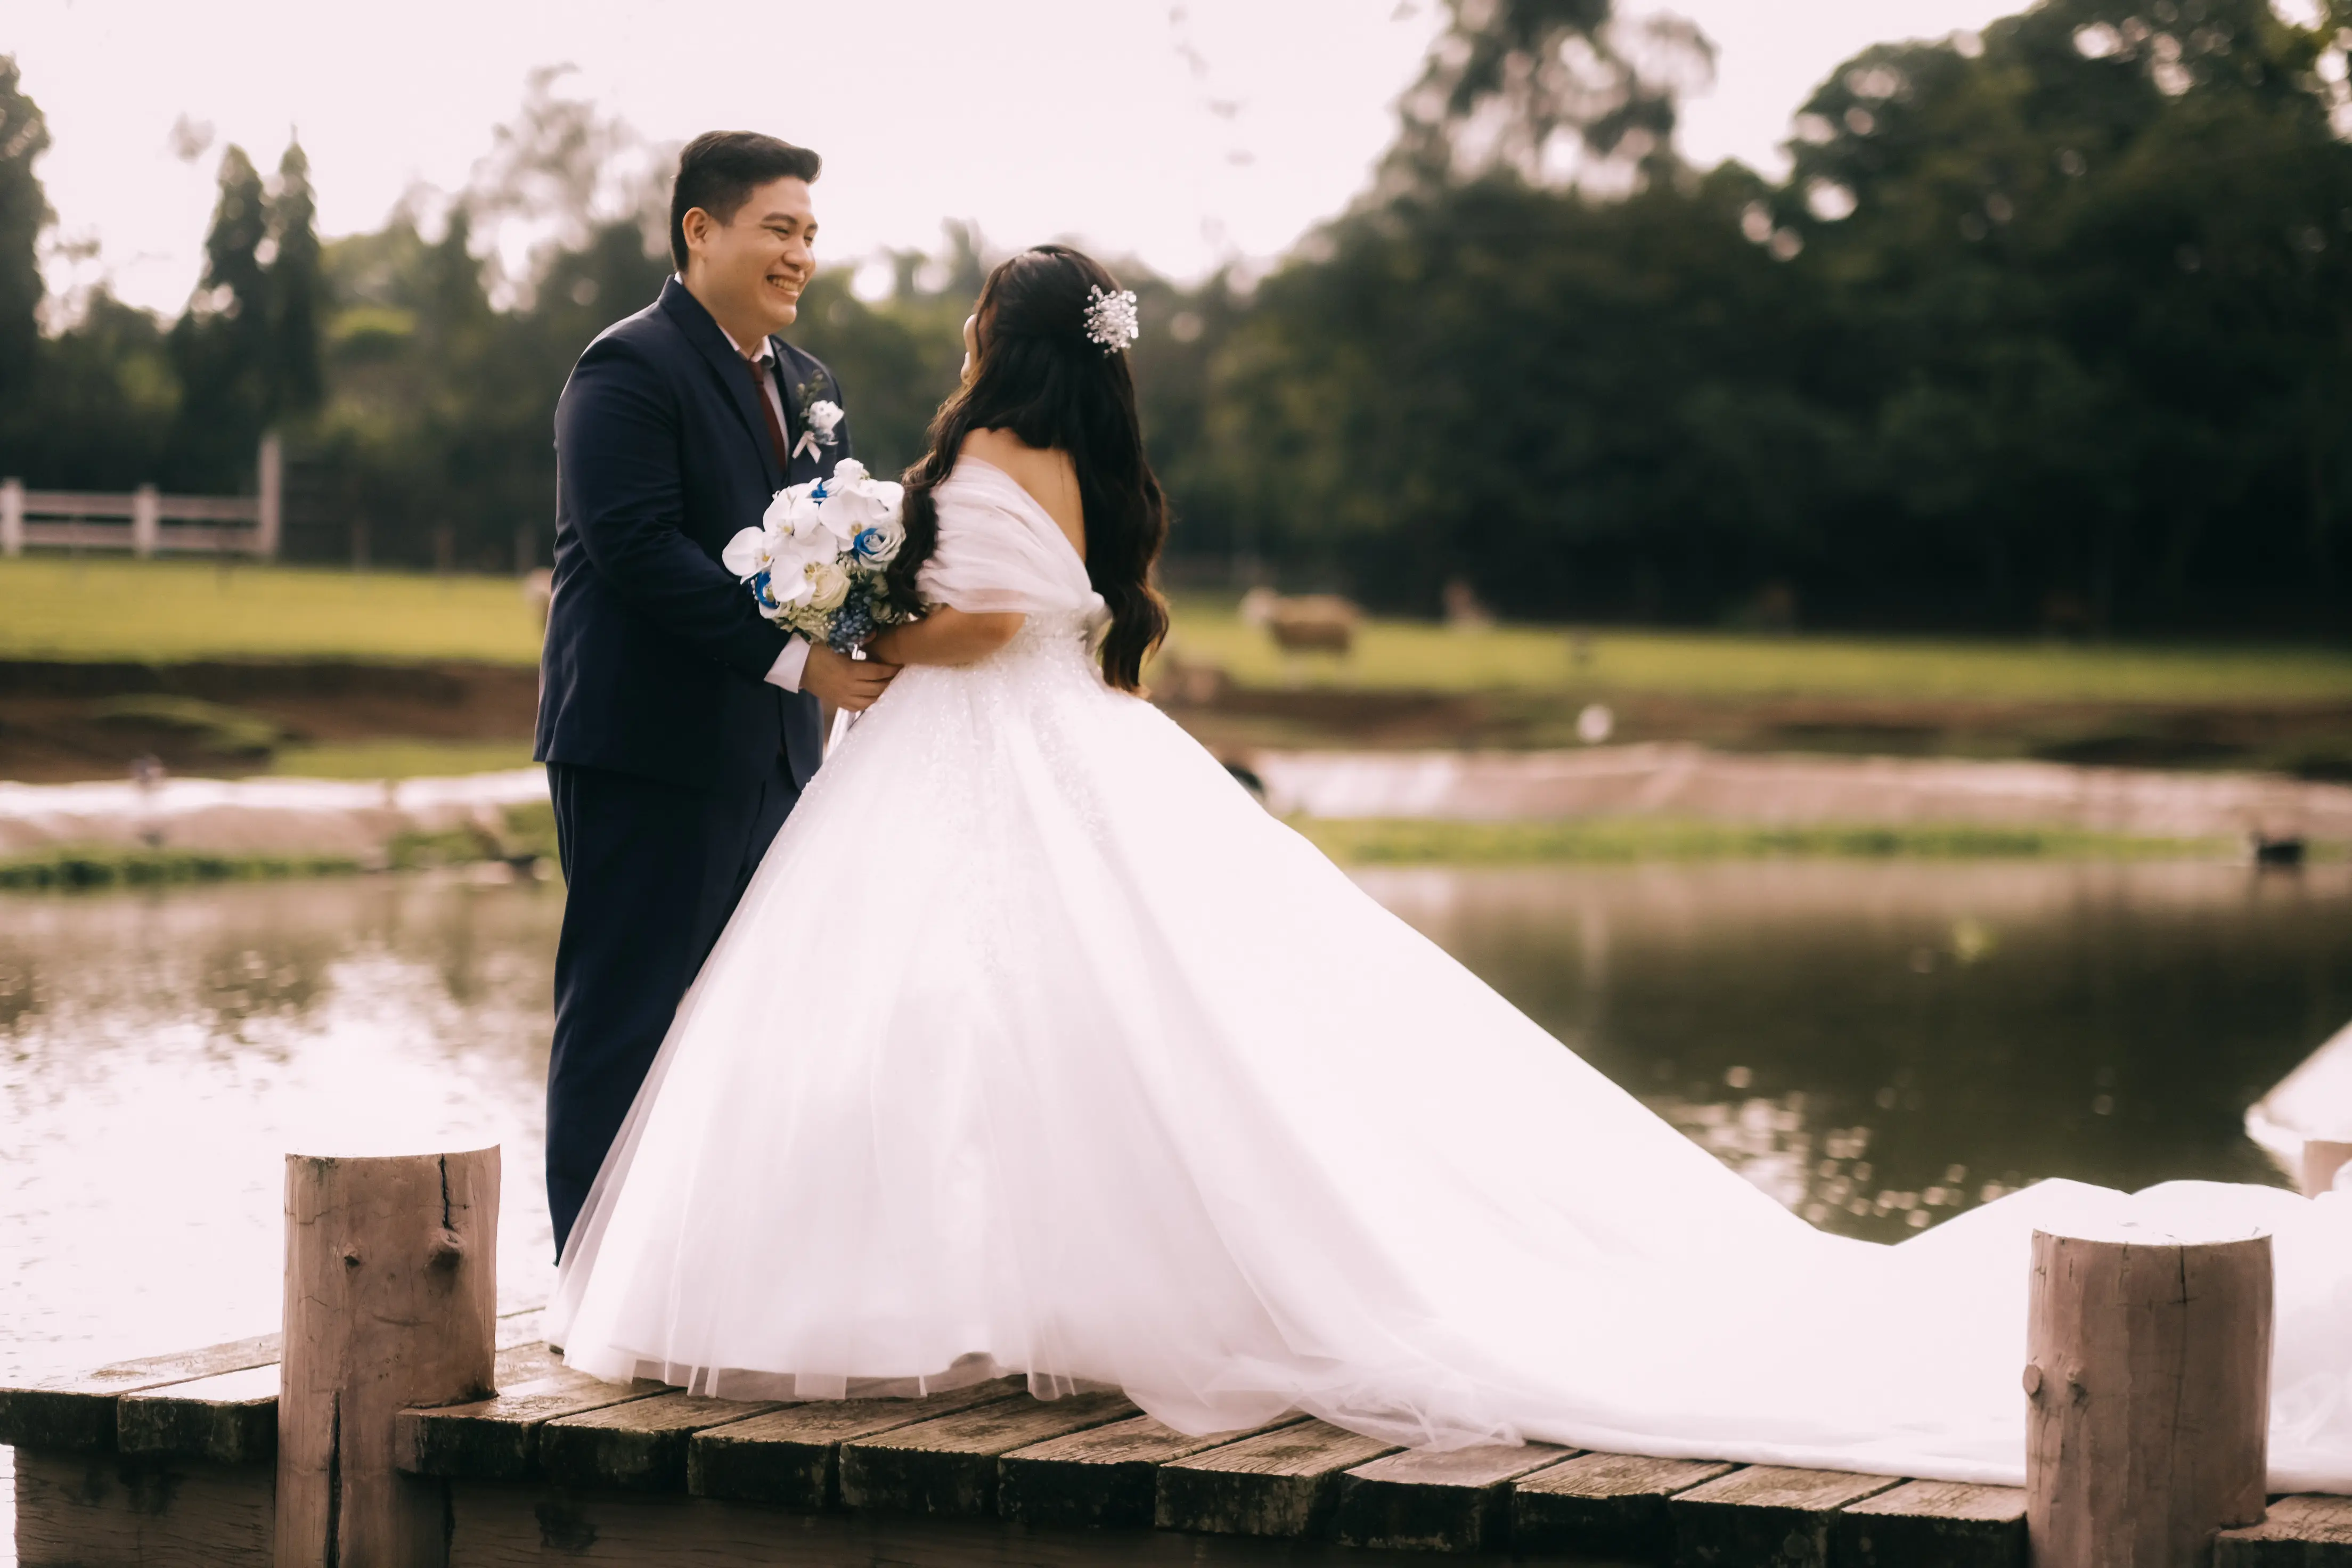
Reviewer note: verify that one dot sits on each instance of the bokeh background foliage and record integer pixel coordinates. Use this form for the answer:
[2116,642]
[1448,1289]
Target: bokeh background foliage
[2046,329]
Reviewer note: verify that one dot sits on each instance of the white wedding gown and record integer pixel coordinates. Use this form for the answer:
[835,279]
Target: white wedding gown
[1036,1047]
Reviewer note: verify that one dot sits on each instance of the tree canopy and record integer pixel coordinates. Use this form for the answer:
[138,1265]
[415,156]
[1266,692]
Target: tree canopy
[2045,329]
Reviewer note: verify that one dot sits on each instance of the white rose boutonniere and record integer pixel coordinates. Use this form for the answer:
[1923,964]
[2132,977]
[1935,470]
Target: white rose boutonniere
[820,419]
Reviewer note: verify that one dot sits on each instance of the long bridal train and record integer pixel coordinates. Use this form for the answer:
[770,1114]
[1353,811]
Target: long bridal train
[1112,1080]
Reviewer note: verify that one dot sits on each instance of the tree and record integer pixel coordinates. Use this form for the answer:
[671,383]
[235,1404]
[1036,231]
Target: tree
[222,346]
[294,379]
[24,213]
[1525,85]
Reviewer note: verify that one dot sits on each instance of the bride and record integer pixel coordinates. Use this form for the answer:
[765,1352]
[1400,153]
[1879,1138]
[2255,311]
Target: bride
[1130,1086]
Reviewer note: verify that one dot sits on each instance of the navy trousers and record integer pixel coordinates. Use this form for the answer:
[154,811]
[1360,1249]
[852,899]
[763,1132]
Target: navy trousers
[652,871]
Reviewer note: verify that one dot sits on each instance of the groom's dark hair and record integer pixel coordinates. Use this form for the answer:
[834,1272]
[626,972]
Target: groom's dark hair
[718,171]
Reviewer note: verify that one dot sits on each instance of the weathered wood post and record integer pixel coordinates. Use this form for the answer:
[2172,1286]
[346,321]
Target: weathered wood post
[391,1303]
[12,517]
[269,505]
[146,521]
[2147,1383]
[2322,1159]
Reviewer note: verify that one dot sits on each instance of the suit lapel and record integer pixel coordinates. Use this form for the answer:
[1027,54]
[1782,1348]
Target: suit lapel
[711,341]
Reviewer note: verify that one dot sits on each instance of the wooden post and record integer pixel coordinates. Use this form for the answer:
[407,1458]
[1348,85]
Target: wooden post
[391,1303]
[269,511]
[146,521]
[12,517]
[2147,1383]
[2322,1159]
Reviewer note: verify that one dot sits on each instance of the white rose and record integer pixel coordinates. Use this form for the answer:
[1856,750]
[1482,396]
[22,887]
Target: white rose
[828,585]
[849,470]
[822,416]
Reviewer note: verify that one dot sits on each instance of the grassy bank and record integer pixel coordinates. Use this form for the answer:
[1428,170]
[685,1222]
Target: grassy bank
[398,759]
[1624,839]
[526,838]
[529,837]
[110,866]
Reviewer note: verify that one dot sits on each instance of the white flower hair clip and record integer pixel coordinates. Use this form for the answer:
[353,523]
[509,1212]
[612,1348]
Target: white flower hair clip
[1110,319]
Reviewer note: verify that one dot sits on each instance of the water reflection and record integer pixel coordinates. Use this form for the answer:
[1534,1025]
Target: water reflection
[1878,1044]
[1881,1044]
[163,1051]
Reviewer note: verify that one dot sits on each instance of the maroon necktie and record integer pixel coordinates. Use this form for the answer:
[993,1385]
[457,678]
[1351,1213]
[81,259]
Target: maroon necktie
[768,408]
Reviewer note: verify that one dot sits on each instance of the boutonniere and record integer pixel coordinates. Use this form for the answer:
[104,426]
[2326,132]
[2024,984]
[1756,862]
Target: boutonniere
[819,414]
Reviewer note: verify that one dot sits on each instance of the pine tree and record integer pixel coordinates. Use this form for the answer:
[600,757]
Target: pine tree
[294,381]
[221,346]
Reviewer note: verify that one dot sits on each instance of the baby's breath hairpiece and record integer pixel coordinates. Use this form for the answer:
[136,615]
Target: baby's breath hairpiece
[1110,319]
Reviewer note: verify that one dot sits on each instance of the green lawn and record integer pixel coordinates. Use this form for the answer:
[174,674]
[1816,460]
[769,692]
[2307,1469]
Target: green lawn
[165,611]
[1376,841]
[160,611]
[398,759]
[1397,655]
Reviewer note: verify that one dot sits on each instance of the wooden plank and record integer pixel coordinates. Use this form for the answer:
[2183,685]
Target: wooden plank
[1103,1477]
[1934,1524]
[1608,1505]
[1456,1500]
[229,1419]
[637,1445]
[75,1412]
[77,503]
[791,1457]
[498,1439]
[108,1510]
[2305,1531]
[1766,1516]
[506,1526]
[1279,1483]
[948,1466]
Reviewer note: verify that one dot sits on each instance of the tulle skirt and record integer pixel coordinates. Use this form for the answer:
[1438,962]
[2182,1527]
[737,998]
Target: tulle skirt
[1037,1048]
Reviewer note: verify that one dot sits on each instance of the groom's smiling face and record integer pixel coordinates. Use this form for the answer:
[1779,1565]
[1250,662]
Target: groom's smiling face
[749,270]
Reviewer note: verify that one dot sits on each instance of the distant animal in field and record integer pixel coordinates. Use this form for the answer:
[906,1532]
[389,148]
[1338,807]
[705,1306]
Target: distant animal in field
[1308,623]
[2286,849]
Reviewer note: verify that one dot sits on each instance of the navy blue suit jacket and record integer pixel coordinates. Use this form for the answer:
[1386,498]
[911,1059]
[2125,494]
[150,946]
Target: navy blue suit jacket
[655,657]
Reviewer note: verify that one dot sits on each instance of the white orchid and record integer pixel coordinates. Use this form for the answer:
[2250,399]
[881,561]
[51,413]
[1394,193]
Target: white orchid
[815,563]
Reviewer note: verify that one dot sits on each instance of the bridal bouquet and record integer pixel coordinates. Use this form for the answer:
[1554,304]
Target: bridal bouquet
[815,563]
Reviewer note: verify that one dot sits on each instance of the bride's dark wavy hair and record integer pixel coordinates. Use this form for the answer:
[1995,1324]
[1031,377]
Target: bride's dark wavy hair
[1039,376]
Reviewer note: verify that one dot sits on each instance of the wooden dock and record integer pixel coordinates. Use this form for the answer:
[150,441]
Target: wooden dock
[171,1460]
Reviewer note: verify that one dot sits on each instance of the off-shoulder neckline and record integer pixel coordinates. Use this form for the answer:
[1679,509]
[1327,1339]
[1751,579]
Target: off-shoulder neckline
[1052,526]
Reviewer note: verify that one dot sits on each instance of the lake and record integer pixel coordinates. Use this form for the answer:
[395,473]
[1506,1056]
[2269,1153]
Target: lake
[1878,1045]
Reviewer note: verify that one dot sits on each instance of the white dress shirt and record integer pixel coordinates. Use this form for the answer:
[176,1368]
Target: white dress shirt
[792,663]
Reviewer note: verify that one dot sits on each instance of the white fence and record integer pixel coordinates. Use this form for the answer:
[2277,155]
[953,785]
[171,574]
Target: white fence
[146,522]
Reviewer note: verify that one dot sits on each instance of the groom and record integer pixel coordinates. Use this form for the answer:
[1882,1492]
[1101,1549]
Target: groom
[676,725]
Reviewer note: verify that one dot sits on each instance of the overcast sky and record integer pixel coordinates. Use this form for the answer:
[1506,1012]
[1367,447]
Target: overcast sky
[1185,132]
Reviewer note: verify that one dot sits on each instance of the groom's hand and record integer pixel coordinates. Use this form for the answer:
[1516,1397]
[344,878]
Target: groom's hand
[841,682]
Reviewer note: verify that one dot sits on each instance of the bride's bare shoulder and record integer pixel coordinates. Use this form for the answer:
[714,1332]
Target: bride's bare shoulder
[1007,451]
[1046,472]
